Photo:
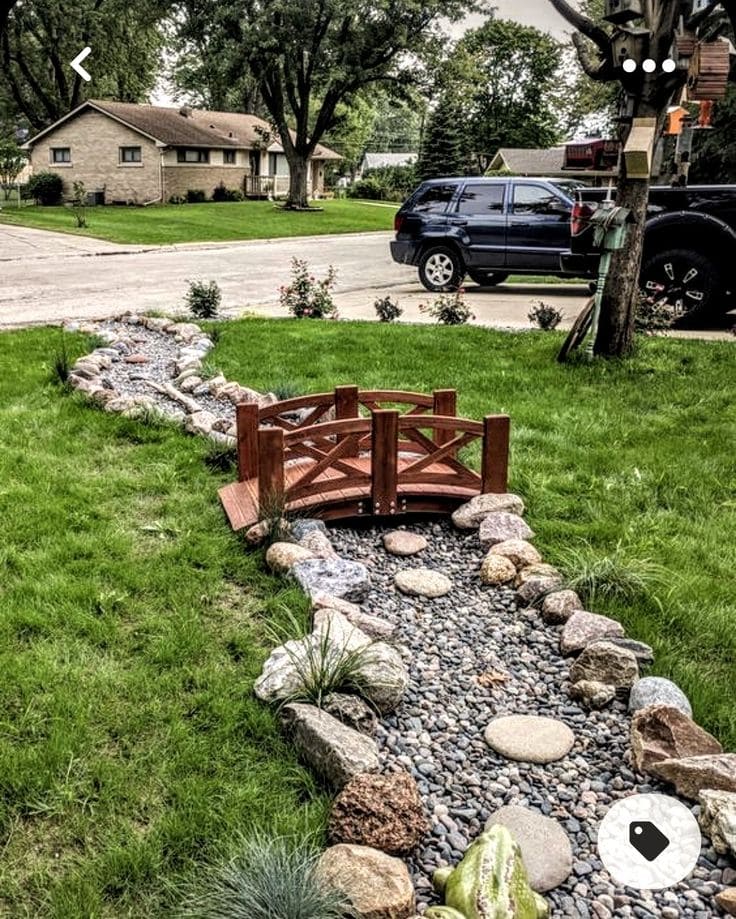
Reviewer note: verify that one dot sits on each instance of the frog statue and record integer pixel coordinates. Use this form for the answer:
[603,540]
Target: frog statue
[490,882]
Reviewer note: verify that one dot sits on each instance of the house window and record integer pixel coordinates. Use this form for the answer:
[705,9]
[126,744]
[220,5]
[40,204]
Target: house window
[228,157]
[61,154]
[190,155]
[277,164]
[130,155]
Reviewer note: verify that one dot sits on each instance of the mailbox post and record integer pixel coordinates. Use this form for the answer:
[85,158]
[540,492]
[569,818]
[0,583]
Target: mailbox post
[609,234]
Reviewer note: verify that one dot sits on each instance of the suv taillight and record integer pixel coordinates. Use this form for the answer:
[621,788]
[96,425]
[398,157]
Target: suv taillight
[398,222]
[580,217]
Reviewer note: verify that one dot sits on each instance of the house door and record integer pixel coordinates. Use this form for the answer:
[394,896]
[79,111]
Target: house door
[255,162]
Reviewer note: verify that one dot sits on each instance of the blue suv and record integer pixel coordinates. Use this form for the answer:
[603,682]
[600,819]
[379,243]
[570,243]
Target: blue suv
[485,228]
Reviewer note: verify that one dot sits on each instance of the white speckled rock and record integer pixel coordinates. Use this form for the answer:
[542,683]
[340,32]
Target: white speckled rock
[337,576]
[422,582]
[656,690]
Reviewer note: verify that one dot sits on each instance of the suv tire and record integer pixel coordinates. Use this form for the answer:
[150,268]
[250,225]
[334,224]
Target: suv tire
[487,278]
[686,280]
[441,269]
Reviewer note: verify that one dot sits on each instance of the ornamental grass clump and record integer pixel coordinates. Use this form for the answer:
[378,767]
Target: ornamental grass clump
[306,297]
[271,878]
[449,309]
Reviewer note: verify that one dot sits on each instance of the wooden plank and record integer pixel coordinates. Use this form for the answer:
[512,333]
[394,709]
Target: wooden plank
[444,402]
[246,417]
[270,470]
[384,466]
[495,462]
[346,406]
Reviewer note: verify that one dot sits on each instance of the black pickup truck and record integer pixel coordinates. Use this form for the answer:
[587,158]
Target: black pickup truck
[689,257]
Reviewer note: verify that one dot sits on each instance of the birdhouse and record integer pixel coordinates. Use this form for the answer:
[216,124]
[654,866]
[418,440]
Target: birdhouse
[684,47]
[639,148]
[623,11]
[709,68]
[630,43]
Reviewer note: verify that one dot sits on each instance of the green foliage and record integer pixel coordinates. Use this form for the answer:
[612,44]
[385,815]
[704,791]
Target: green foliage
[61,362]
[306,297]
[614,577]
[449,309]
[286,389]
[221,193]
[79,204]
[203,300]
[196,196]
[220,457]
[369,188]
[387,183]
[46,187]
[544,315]
[270,878]
[12,161]
[714,160]
[388,310]
[445,149]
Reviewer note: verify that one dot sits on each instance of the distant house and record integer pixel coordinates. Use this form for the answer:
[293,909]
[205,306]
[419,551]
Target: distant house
[142,154]
[382,160]
[535,162]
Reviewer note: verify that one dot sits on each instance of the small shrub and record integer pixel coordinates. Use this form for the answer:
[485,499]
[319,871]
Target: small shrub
[652,315]
[369,189]
[79,204]
[306,297]
[544,316]
[221,193]
[449,309]
[46,188]
[388,310]
[203,299]
[196,196]
[271,878]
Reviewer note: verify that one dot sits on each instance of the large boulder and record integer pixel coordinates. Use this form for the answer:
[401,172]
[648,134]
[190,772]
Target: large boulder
[371,625]
[661,732]
[382,811]
[583,627]
[502,526]
[694,774]
[282,556]
[604,662]
[470,515]
[334,751]
[545,847]
[656,690]
[377,885]
[382,676]
[345,579]
[558,606]
[518,551]
[718,819]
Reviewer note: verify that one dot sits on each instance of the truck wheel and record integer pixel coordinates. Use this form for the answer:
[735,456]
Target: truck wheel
[685,280]
[487,278]
[441,269]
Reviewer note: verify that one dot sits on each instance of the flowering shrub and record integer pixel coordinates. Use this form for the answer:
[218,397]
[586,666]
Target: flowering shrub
[449,309]
[545,316]
[306,297]
[388,310]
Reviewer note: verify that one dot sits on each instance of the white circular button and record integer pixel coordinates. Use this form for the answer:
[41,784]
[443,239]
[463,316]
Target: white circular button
[649,842]
[629,65]
[649,66]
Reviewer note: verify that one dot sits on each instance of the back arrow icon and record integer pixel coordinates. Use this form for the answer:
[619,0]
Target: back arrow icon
[76,64]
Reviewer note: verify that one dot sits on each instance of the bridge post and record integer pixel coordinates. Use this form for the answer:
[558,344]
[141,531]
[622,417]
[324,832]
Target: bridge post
[495,463]
[384,461]
[246,418]
[270,471]
[346,406]
[444,402]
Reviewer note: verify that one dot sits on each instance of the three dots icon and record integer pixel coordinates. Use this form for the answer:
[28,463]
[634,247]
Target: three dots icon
[649,65]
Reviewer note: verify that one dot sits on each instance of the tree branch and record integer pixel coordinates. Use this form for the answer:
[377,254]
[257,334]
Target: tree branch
[582,24]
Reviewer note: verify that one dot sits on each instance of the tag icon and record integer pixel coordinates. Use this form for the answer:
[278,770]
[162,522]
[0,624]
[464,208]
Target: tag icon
[648,840]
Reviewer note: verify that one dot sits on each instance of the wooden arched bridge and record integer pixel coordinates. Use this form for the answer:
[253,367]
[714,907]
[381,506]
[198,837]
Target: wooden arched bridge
[355,453]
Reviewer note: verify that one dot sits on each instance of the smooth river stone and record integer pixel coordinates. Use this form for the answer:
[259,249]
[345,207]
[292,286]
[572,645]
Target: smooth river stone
[422,582]
[545,846]
[529,738]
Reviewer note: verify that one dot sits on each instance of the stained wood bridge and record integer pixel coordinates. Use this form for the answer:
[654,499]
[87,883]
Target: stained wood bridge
[355,453]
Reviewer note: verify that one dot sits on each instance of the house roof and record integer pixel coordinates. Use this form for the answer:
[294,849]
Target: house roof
[381,160]
[186,127]
[530,162]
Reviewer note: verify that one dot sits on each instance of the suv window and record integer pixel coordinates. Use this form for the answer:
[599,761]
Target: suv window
[433,199]
[533,199]
[481,199]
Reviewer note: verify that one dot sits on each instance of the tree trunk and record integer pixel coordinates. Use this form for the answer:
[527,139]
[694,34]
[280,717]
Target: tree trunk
[621,292]
[298,174]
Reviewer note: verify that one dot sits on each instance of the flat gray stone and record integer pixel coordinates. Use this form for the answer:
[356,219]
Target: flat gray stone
[545,846]
[583,627]
[470,515]
[656,690]
[403,543]
[301,526]
[339,577]
[422,582]
[529,738]
[501,526]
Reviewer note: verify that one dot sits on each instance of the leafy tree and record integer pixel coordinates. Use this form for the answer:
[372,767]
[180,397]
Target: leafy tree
[645,95]
[12,161]
[444,148]
[309,57]
[42,36]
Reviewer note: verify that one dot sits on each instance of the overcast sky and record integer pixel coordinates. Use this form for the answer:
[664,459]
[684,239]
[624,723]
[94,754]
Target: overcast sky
[539,13]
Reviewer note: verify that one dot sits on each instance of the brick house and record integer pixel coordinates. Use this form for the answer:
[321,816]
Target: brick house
[143,154]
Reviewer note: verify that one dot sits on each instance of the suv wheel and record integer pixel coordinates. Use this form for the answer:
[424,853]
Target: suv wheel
[487,278]
[440,269]
[685,280]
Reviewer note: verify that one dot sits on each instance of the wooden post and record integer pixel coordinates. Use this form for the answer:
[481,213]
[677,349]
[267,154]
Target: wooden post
[495,466]
[384,460]
[444,402]
[246,417]
[346,406]
[270,471]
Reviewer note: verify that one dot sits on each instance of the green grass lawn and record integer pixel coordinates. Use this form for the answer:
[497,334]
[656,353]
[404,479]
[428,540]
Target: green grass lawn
[632,461]
[131,630]
[158,225]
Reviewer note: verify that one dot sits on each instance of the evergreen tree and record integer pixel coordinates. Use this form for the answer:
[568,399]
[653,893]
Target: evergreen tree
[444,149]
